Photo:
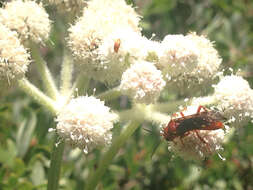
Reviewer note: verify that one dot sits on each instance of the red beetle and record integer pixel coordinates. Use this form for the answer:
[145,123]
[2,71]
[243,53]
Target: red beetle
[205,120]
[116,45]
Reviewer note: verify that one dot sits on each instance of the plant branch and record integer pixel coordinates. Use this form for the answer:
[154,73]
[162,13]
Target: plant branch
[37,95]
[66,75]
[46,76]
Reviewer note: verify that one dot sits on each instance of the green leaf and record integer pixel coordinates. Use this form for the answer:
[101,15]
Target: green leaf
[25,133]
[38,173]
[7,155]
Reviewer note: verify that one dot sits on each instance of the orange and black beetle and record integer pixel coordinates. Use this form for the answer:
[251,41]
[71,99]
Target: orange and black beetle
[205,120]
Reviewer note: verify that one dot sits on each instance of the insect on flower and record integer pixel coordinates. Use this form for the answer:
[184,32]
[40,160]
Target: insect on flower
[202,120]
[116,45]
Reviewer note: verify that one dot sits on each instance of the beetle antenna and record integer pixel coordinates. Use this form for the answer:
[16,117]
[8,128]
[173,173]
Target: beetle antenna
[154,149]
[147,130]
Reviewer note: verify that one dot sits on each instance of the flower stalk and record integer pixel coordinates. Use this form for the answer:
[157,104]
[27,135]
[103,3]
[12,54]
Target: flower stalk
[110,94]
[106,159]
[66,75]
[37,95]
[46,76]
[55,166]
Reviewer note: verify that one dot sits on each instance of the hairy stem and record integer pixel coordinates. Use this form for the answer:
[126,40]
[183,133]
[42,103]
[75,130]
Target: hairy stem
[46,76]
[37,95]
[66,75]
[81,84]
[107,158]
[170,106]
[55,166]
[109,94]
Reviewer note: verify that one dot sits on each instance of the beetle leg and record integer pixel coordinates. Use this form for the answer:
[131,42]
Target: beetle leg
[201,107]
[182,136]
[181,113]
[202,140]
[174,115]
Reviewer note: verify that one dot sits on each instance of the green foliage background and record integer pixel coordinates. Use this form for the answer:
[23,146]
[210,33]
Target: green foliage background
[25,144]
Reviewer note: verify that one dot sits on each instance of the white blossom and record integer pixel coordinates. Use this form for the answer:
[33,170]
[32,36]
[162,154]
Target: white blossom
[234,95]
[97,22]
[28,18]
[85,122]
[143,82]
[178,56]
[14,59]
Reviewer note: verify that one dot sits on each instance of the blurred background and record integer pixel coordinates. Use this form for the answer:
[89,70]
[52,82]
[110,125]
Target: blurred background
[25,144]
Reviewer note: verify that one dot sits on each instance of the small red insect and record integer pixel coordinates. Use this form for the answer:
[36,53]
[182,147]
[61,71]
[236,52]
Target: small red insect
[205,120]
[116,45]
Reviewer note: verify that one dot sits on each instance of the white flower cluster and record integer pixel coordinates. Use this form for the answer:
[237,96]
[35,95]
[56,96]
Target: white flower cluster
[14,58]
[192,147]
[109,47]
[178,56]
[234,95]
[28,18]
[142,81]
[85,122]
[188,61]
[97,22]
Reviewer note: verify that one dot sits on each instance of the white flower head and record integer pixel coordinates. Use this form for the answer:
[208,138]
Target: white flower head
[85,123]
[192,146]
[235,97]
[196,144]
[116,53]
[130,46]
[98,21]
[28,18]
[208,59]
[178,56]
[143,82]
[14,59]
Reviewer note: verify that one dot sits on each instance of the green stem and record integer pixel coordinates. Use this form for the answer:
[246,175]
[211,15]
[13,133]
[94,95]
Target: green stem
[142,112]
[66,74]
[81,84]
[38,96]
[109,94]
[94,177]
[170,106]
[158,118]
[46,76]
[55,166]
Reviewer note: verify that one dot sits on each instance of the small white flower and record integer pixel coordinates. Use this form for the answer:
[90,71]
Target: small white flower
[143,82]
[28,18]
[234,95]
[85,123]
